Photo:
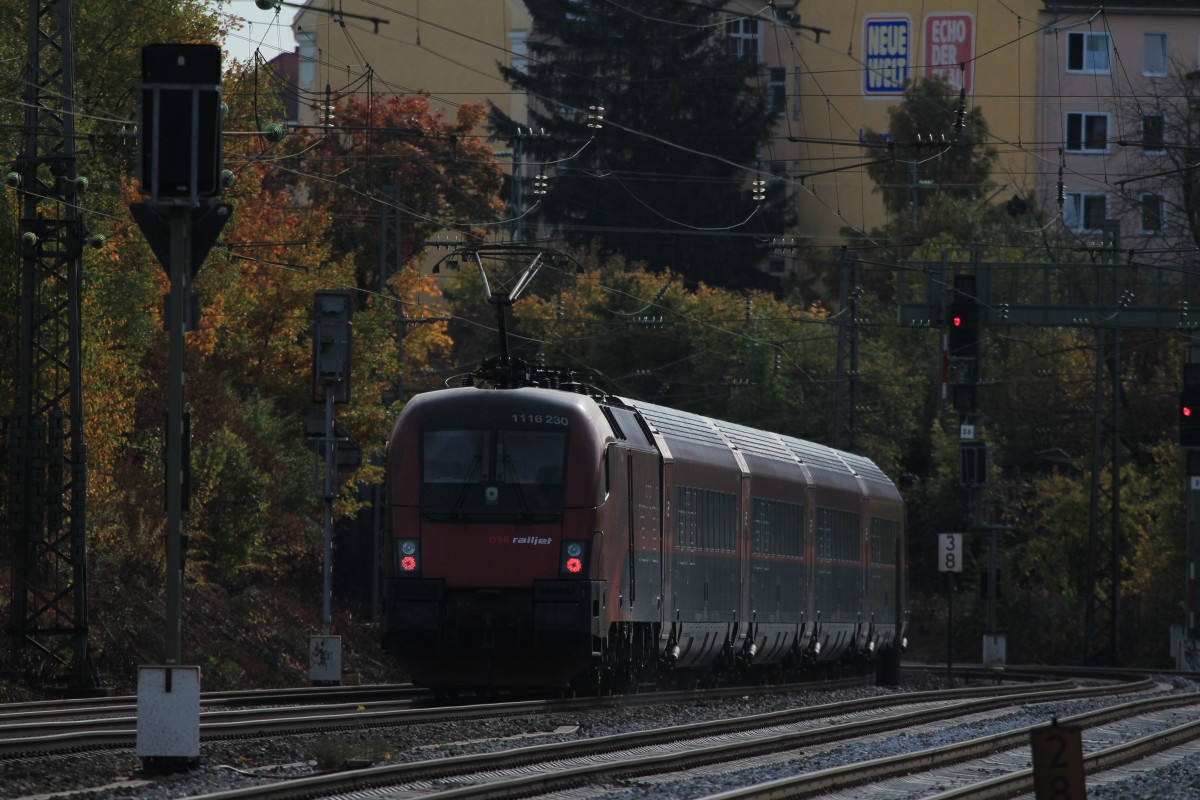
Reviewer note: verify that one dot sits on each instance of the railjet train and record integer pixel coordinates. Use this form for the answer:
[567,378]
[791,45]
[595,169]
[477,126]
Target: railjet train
[546,538]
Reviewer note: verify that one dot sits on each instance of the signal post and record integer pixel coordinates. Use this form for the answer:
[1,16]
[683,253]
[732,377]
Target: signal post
[181,177]
[1188,649]
[331,369]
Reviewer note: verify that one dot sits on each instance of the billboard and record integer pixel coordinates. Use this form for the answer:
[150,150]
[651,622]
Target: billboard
[887,54]
[949,49]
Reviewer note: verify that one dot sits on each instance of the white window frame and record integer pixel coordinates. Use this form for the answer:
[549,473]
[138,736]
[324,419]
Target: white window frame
[1162,214]
[1148,151]
[1155,72]
[1075,211]
[1083,68]
[742,34]
[1083,118]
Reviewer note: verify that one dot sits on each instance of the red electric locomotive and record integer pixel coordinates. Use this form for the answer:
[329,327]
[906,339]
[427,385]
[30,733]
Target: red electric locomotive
[551,538]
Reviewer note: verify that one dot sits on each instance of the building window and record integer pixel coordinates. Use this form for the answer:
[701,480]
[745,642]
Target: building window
[741,37]
[1087,132]
[517,45]
[1154,54]
[777,90]
[1152,212]
[796,94]
[307,43]
[1085,212]
[1153,134]
[1088,53]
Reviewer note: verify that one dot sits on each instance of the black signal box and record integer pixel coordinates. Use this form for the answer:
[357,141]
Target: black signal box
[180,128]
[962,319]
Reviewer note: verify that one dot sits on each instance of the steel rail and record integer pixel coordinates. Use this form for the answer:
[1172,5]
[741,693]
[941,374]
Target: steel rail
[908,763]
[556,778]
[36,734]
[1021,782]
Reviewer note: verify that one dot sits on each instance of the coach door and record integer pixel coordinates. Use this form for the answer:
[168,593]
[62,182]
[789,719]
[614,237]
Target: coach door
[645,535]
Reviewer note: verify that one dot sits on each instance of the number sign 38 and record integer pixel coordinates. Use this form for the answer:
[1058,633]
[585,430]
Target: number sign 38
[950,558]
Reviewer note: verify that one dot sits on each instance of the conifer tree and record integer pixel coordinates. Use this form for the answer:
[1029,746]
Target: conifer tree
[665,177]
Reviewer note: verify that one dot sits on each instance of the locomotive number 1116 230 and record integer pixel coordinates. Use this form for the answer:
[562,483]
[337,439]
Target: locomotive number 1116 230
[540,419]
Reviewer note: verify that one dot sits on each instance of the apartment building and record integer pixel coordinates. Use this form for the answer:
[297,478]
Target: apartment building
[831,70]
[450,50]
[1118,94]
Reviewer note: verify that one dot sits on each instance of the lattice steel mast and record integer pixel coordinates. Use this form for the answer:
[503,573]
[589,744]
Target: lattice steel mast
[47,455]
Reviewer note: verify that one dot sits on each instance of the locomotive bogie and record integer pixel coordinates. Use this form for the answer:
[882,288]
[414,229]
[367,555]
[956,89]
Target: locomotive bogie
[547,538]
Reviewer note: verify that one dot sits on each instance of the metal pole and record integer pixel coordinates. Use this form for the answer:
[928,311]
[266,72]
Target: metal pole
[330,455]
[992,580]
[177,304]
[853,376]
[950,633]
[839,391]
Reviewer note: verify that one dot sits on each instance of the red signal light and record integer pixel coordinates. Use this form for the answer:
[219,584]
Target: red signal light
[408,564]
[956,322]
[1187,411]
[574,565]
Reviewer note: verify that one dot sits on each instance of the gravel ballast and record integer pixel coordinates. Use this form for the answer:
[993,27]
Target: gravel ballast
[244,763]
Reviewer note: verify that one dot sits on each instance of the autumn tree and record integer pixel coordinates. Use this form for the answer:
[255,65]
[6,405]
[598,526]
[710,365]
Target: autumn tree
[395,154]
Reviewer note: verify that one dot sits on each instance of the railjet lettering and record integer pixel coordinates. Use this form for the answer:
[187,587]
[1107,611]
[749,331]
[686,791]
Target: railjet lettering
[887,46]
[534,540]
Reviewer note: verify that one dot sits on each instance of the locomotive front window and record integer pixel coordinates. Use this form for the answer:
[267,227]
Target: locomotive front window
[531,457]
[455,456]
[488,472]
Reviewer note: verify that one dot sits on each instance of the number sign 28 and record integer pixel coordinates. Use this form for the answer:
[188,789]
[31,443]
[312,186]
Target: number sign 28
[950,556]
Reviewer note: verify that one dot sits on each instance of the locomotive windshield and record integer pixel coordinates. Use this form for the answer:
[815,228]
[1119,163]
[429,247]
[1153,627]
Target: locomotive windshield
[490,473]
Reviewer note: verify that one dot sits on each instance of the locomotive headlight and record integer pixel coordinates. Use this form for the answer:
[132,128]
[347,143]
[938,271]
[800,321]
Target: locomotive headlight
[408,547]
[574,549]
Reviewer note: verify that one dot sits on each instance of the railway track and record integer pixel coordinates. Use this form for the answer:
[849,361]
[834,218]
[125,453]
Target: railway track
[652,754]
[32,728]
[978,760]
[694,759]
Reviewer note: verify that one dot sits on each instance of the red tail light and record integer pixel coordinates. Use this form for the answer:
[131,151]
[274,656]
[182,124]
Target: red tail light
[408,556]
[573,559]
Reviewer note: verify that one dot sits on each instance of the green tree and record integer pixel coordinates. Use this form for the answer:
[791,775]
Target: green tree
[936,148]
[746,357]
[664,178]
